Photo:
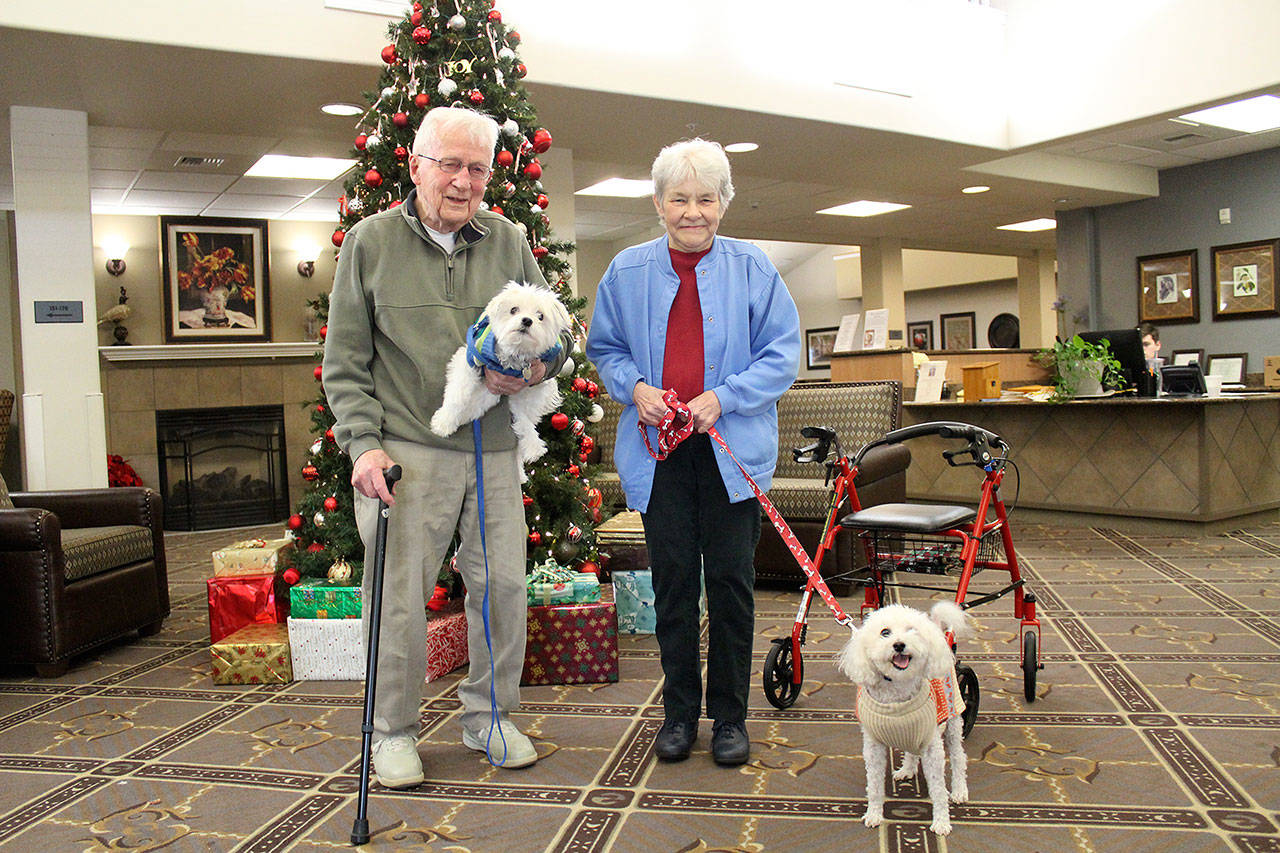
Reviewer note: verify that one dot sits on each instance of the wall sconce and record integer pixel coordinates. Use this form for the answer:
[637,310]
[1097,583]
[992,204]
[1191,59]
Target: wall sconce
[115,248]
[307,254]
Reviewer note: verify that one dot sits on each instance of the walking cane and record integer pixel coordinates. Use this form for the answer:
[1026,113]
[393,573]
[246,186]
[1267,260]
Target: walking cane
[360,829]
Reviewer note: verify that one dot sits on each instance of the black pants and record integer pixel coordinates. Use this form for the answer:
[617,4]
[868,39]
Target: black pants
[691,524]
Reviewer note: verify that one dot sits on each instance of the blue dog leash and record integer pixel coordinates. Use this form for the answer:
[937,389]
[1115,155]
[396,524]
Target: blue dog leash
[494,722]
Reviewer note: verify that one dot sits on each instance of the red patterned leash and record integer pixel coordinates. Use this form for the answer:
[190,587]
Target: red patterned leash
[677,425]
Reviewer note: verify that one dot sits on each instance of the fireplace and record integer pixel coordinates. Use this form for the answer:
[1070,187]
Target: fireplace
[222,467]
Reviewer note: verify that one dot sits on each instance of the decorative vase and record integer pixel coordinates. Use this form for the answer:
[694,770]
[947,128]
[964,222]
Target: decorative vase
[1085,377]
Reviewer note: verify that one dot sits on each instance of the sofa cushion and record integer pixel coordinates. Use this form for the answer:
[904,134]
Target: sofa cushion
[6,502]
[93,550]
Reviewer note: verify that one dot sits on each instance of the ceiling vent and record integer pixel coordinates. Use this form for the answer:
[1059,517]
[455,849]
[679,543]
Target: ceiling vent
[199,162]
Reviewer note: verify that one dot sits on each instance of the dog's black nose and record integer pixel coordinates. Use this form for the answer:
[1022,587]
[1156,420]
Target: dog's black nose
[899,647]
[526,321]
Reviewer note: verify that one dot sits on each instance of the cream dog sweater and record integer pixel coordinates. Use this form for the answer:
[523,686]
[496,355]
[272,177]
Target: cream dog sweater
[910,724]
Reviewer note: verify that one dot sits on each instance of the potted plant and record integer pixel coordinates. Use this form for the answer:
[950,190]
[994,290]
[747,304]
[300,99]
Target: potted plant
[1079,368]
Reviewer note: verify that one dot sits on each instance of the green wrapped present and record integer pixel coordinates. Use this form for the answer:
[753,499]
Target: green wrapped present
[550,583]
[319,598]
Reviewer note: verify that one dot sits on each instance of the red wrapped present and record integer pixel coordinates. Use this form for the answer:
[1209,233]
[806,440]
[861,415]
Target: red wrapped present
[572,644]
[446,642]
[240,600]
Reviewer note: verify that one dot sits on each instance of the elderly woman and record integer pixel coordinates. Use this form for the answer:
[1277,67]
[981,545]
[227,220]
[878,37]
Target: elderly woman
[710,318]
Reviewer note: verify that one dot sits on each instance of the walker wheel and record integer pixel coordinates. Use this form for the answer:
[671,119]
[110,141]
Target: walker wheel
[1030,663]
[969,692]
[781,680]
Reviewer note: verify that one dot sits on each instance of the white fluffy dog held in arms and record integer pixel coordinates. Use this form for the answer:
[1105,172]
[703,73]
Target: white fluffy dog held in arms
[520,325]
[907,697]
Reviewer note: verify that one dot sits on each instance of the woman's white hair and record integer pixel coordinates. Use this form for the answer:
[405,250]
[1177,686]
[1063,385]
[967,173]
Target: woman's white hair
[700,159]
[444,121]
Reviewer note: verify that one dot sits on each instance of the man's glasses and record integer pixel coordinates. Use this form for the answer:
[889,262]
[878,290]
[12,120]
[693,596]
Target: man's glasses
[452,167]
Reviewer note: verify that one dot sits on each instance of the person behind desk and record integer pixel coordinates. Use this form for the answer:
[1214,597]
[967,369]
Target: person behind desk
[1150,336]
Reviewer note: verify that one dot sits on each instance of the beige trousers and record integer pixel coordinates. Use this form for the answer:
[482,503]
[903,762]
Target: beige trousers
[437,494]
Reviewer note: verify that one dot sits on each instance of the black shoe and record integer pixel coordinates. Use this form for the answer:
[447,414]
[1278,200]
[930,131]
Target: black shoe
[730,744]
[675,739]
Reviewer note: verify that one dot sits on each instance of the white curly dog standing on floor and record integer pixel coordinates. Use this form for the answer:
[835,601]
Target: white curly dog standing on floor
[519,325]
[907,694]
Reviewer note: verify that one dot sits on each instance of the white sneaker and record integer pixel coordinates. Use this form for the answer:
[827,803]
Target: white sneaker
[396,762]
[518,752]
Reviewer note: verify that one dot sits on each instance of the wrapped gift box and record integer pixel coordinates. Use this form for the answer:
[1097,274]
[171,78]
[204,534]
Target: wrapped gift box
[571,644]
[252,557]
[583,589]
[240,600]
[633,592]
[446,642]
[319,598]
[256,654]
[327,649]
[620,541]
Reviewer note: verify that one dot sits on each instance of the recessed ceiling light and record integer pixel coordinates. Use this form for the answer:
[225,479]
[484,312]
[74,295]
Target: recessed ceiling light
[864,208]
[619,188]
[979,188]
[285,166]
[741,147]
[1252,115]
[1030,225]
[342,109]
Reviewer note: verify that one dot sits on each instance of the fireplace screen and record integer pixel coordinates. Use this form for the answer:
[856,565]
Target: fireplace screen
[222,467]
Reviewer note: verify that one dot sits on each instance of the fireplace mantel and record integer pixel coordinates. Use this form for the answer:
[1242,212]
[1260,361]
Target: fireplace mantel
[220,352]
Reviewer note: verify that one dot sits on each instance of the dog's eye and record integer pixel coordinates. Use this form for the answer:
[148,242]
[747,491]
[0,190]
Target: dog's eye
[515,310]
[539,316]
[886,632]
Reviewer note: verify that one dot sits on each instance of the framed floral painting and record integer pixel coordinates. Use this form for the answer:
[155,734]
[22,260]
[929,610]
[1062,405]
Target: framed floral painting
[215,280]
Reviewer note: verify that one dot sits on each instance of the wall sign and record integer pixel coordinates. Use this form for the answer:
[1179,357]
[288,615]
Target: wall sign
[59,312]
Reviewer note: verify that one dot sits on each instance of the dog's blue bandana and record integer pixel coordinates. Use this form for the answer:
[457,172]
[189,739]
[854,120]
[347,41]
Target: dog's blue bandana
[482,349]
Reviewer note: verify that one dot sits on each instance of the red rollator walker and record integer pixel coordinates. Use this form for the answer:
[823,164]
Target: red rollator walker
[916,539]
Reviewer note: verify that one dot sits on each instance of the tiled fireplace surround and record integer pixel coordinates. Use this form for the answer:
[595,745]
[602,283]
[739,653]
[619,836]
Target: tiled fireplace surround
[135,389]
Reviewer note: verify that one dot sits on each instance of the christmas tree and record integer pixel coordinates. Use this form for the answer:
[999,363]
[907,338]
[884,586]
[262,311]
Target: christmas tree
[460,54]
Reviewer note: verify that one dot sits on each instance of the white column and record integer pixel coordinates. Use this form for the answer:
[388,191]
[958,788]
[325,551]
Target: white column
[882,284]
[64,435]
[1037,289]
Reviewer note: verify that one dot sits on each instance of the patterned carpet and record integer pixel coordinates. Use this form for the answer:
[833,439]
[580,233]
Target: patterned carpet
[1156,729]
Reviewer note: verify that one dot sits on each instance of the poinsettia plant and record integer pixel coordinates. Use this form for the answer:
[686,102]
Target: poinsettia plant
[120,472]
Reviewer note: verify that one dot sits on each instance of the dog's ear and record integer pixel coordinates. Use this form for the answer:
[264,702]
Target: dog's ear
[853,661]
[950,617]
[560,313]
[941,659]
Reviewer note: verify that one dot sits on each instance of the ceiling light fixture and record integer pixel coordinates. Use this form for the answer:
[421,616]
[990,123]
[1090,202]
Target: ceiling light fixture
[1252,115]
[619,188]
[1030,225]
[741,147]
[864,208]
[311,168]
[977,188]
[339,109]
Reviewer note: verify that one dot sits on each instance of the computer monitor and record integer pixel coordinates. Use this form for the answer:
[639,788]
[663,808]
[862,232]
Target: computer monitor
[1183,380]
[1126,347]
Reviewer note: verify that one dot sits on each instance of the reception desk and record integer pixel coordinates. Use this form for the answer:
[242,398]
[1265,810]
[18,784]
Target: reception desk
[1016,366]
[1200,460]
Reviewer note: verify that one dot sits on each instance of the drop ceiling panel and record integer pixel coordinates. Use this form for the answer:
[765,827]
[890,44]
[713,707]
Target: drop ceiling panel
[217,143]
[273,203]
[105,196]
[191,202]
[124,137]
[117,158]
[316,209]
[294,187]
[183,181]
[111,178]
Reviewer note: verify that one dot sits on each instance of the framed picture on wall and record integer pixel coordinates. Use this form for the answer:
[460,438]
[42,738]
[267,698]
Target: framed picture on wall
[920,335]
[215,279]
[818,344]
[958,330]
[1167,289]
[1244,280]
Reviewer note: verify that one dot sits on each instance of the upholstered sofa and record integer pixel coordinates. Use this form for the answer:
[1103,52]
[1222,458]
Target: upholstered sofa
[80,568]
[859,412]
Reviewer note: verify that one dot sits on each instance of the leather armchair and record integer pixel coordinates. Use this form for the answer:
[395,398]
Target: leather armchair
[83,567]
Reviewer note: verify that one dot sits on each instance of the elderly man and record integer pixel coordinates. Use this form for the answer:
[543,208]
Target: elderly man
[409,282]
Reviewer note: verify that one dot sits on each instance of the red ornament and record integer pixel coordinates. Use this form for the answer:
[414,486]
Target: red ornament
[315,548]
[505,158]
[521,71]
[543,201]
[539,252]
[416,20]
[320,408]
[584,455]
[579,384]
[338,237]
[389,54]
[295,521]
[361,141]
[594,497]
[535,538]
[421,35]
[588,443]
[497,209]
[528,501]
[533,171]
[422,100]
[324,331]
[328,434]
[592,389]
[402,153]
[495,16]
[291,576]
[573,470]
[577,426]
[395,204]
[559,420]
[476,96]
[589,567]
[373,178]
[330,503]
[400,119]
[513,38]
[319,371]
[309,472]
[541,140]
[595,514]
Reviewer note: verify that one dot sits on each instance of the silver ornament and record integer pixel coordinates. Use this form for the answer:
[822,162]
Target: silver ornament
[506,54]
[373,141]
[534,209]
[318,518]
[389,92]
[319,442]
[597,413]
[446,87]
[568,368]
[510,127]
[457,23]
